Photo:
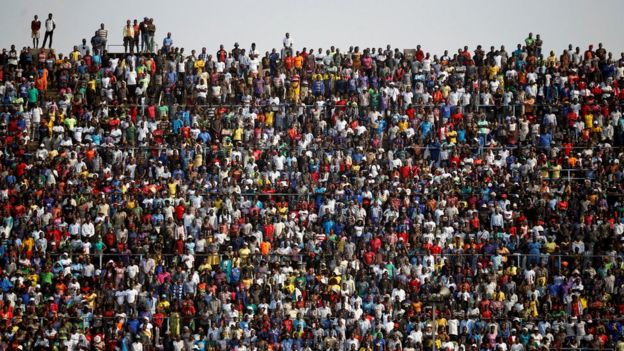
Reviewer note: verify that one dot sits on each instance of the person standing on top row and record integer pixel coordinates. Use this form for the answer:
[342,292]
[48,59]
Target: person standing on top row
[167,43]
[102,34]
[151,32]
[128,37]
[35,26]
[50,26]
[287,43]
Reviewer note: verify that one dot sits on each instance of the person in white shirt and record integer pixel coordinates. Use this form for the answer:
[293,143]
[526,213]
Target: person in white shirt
[288,43]
[50,26]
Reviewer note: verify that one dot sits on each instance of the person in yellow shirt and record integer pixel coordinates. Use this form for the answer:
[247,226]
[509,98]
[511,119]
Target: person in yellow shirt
[451,134]
[238,134]
[551,246]
[551,60]
[596,129]
[589,120]
[545,171]
[244,252]
[493,71]
[556,171]
[199,65]
[92,84]
[27,245]
[268,118]
[512,270]
[131,203]
[227,146]
[173,187]
[91,299]
[164,305]
[218,203]
[33,278]
[499,295]
[533,307]
[290,285]
[75,55]
[295,91]
[403,124]
[442,321]
[282,209]
[445,90]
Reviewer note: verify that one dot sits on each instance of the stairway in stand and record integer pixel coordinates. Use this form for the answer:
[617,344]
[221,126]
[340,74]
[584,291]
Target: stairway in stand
[52,94]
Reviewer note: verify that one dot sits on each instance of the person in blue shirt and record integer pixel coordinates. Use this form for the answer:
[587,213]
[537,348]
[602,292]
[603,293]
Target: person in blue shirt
[328,225]
[133,325]
[545,140]
[425,128]
[534,251]
[167,43]
[273,60]
[5,284]
[205,137]
[434,151]
[177,125]
[379,344]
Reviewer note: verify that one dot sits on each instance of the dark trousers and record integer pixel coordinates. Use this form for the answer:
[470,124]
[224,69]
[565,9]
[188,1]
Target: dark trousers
[45,38]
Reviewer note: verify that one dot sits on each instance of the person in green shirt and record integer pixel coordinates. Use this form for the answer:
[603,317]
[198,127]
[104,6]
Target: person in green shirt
[529,41]
[46,277]
[163,111]
[70,122]
[131,134]
[33,96]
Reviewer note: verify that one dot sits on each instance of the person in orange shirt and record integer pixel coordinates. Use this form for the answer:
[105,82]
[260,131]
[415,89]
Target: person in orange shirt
[42,80]
[298,61]
[265,247]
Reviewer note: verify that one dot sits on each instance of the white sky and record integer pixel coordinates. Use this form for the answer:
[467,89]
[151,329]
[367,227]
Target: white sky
[434,24]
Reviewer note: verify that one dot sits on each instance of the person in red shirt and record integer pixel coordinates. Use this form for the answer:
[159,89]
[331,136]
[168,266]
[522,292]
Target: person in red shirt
[474,222]
[375,244]
[435,249]
[179,211]
[420,54]
[289,61]
[35,26]
[369,257]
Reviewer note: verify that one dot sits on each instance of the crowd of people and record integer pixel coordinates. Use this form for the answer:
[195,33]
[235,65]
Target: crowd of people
[362,200]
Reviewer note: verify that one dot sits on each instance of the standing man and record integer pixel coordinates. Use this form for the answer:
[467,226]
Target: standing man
[35,26]
[128,37]
[83,48]
[103,35]
[167,43]
[137,34]
[50,26]
[151,31]
[144,34]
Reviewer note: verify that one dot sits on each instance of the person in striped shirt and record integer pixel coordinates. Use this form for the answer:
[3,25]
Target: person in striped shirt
[102,34]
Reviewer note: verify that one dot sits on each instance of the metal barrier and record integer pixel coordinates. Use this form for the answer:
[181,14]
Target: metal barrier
[109,46]
[520,260]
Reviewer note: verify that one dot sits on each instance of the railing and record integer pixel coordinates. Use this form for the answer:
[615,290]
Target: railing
[521,260]
[122,47]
